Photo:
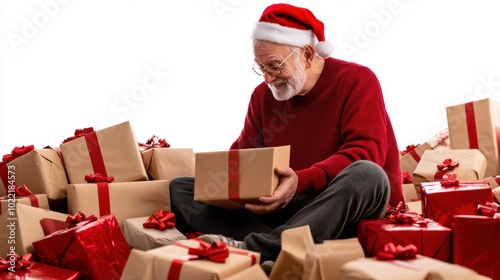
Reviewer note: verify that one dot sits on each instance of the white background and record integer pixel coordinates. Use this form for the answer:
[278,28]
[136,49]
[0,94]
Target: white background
[74,64]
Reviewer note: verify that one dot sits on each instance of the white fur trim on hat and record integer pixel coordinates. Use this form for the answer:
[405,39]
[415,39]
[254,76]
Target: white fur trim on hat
[276,33]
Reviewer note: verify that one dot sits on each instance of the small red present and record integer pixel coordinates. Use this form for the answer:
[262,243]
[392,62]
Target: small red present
[432,239]
[476,244]
[441,200]
[95,247]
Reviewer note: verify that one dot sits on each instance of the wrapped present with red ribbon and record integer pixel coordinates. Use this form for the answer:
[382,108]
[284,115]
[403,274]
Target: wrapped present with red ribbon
[476,125]
[467,164]
[230,179]
[22,194]
[417,268]
[189,259]
[411,156]
[123,199]
[40,169]
[403,228]
[157,230]
[112,150]
[409,192]
[165,163]
[22,224]
[95,247]
[17,267]
[440,140]
[476,242]
[441,200]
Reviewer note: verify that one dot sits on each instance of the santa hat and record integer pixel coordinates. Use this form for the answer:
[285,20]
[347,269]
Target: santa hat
[289,25]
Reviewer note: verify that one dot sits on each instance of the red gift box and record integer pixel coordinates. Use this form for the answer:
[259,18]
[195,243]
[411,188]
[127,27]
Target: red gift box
[96,248]
[431,239]
[40,271]
[440,202]
[476,244]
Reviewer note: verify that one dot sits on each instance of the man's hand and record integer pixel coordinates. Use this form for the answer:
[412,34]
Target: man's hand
[282,195]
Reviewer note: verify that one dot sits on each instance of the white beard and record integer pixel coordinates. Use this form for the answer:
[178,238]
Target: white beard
[293,85]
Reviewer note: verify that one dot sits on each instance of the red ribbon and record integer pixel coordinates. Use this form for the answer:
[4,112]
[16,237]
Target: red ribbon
[470,119]
[17,152]
[154,142]
[398,215]
[79,133]
[490,209]
[407,178]
[215,252]
[97,177]
[160,220]
[450,180]
[448,165]
[78,218]
[392,252]
[19,262]
[103,198]
[411,150]
[233,187]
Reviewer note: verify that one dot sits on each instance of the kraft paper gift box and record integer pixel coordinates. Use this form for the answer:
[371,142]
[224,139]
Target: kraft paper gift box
[37,270]
[471,166]
[124,200]
[231,178]
[409,192]
[325,261]
[177,262]
[255,272]
[142,238]
[18,233]
[168,163]
[432,239]
[95,247]
[440,140]
[42,170]
[411,156]
[414,206]
[476,243]
[421,268]
[112,151]
[440,202]
[475,125]
[34,200]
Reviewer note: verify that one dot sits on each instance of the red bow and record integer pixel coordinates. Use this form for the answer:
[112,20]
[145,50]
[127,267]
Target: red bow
[407,178]
[398,216]
[409,148]
[15,262]
[392,252]
[216,252]
[97,178]
[447,165]
[155,142]
[78,218]
[79,133]
[17,152]
[160,220]
[22,190]
[490,209]
[450,180]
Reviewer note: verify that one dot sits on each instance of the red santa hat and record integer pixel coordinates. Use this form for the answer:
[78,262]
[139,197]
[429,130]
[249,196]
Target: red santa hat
[289,25]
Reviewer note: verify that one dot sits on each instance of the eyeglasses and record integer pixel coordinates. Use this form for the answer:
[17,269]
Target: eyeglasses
[271,70]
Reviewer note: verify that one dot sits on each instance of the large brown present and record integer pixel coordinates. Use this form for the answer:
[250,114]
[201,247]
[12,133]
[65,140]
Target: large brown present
[42,170]
[476,125]
[177,261]
[168,163]
[124,200]
[468,164]
[231,178]
[112,151]
[421,268]
[20,231]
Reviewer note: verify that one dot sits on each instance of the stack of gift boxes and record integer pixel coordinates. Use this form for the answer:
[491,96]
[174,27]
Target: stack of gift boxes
[97,206]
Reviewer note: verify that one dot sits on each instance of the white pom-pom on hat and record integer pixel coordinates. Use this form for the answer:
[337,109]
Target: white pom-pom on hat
[294,26]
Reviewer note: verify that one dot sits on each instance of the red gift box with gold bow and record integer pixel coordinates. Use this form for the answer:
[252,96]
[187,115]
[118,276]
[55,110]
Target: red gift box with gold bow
[476,243]
[403,228]
[93,246]
[441,200]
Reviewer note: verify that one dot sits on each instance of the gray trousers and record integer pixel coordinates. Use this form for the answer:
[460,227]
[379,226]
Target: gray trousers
[360,191]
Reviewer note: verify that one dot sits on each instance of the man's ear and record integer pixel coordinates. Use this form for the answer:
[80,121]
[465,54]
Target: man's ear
[308,53]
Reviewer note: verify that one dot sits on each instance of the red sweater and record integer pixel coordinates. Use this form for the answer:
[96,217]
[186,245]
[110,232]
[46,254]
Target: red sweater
[341,120]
